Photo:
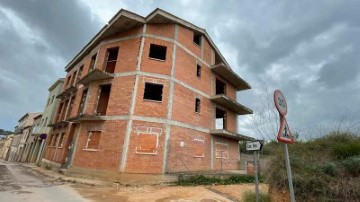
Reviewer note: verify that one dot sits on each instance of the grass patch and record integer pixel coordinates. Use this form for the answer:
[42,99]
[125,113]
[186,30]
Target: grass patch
[251,197]
[203,180]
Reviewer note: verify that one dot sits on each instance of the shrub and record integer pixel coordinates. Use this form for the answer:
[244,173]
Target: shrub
[251,197]
[202,180]
[347,150]
[329,169]
[352,165]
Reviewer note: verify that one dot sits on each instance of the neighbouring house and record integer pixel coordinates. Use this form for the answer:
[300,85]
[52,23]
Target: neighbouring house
[12,153]
[147,95]
[41,129]
[24,129]
[4,150]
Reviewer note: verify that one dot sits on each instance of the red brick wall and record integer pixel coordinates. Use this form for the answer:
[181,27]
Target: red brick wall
[153,65]
[150,107]
[232,154]
[138,162]
[127,56]
[186,72]
[164,30]
[231,121]
[184,107]
[206,51]
[185,38]
[108,154]
[181,155]
[120,96]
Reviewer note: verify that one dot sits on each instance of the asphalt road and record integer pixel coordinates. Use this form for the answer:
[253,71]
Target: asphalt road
[19,183]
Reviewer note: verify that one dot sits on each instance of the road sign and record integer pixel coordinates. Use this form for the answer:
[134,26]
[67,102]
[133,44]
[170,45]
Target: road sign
[254,146]
[284,134]
[280,102]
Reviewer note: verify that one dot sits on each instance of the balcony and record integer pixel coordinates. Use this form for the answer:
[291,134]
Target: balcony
[85,117]
[67,92]
[95,75]
[228,134]
[230,76]
[230,104]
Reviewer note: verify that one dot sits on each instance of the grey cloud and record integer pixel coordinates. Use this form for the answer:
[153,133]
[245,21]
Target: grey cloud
[31,62]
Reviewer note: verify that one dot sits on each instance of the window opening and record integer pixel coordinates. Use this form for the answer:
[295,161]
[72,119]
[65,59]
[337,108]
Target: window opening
[79,73]
[93,61]
[153,91]
[82,102]
[198,70]
[197,38]
[220,87]
[93,140]
[220,119]
[197,105]
[111,56]
[103,99]
[157,52]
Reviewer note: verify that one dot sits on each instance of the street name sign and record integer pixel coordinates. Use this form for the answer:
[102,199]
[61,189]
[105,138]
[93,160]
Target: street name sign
[254,146]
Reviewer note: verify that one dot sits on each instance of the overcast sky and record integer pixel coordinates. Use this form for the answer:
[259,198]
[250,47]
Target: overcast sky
[308,49]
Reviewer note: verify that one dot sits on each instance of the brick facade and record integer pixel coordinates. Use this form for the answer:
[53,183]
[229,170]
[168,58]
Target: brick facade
[145,135]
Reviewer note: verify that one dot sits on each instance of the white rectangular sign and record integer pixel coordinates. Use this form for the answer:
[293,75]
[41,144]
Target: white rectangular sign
[253,146]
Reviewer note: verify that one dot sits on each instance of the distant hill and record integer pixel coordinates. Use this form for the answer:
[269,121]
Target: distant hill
[5,132]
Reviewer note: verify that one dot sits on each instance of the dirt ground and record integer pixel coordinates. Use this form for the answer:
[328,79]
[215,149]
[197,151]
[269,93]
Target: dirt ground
[166,193]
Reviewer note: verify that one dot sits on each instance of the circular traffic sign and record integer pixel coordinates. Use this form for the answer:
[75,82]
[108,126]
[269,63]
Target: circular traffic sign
[280,102]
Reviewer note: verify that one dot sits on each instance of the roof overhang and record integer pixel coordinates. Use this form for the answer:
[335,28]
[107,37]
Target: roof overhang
[228,134]
[94,75]
[228,103]
[230,76]
[122,21]
[125,20]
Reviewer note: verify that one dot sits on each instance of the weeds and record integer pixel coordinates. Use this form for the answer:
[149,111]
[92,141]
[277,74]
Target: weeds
[251,197]
[202,180]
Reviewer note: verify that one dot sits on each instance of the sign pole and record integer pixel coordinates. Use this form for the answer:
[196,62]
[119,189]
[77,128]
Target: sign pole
[256,176]
[288,168]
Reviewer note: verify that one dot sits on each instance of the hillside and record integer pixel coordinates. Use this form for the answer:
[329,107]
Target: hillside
[324,169]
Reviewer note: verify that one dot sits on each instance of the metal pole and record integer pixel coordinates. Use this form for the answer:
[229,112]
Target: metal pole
[256,177]
[288,168]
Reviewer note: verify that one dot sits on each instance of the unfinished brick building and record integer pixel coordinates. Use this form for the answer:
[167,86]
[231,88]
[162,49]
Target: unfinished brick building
[148,95]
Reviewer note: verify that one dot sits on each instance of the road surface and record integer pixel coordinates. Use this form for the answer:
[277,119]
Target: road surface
[19,183]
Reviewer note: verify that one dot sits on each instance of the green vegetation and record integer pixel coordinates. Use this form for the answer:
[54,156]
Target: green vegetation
[324,169]
[202,180]
[5,132]
[251,197]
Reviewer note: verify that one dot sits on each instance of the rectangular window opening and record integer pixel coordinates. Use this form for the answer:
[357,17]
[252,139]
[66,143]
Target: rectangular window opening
[103,99]
[197,38]
[198,70]
[71,106]
[220,119]
[153,91]
[220,87]
[197,105]
[82,102]
[61,142]
[79,73]
[157,52]
[111,56]
[93,61]
[93,140]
